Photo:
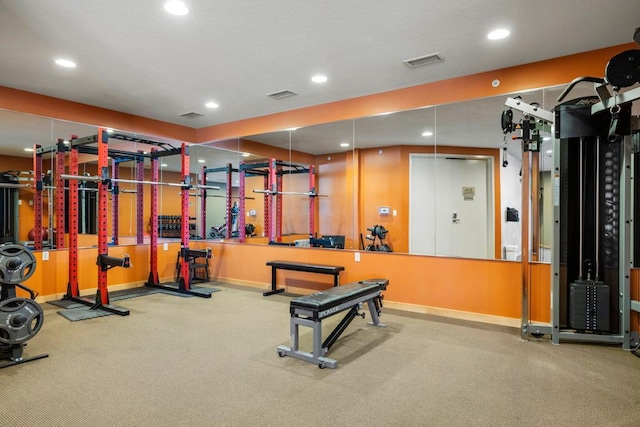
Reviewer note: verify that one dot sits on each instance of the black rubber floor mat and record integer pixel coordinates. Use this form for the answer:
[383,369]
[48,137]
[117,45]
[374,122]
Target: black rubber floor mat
[75,311]
[84,313]
[65,303]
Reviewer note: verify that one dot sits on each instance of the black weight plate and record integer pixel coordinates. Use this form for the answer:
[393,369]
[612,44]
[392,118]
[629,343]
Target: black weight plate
[623,70]
[20,320]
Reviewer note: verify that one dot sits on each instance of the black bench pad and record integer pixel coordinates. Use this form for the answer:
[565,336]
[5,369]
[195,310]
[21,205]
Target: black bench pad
[311,268]
[325,300]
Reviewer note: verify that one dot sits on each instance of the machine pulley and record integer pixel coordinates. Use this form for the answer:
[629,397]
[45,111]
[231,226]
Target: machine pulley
[20,320]
[17,264]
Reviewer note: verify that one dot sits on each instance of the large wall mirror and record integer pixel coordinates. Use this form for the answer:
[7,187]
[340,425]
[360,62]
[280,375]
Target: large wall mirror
[20,132]
[440,180]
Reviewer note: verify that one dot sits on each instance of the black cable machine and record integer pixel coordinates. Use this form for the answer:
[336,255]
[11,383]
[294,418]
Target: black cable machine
[9,184]
[592,157]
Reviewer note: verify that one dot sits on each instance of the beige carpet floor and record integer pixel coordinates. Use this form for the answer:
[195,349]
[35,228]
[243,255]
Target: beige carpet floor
[213,362]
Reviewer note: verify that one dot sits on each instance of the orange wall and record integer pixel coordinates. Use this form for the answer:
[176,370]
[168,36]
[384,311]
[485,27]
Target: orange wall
[540,292]
[635,295]
[51,277]
[419,280]
[46,106]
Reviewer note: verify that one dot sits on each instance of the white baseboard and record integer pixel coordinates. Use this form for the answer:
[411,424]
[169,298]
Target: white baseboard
[455,314]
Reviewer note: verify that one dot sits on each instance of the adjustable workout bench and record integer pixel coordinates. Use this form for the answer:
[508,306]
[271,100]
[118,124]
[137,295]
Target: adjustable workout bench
[309,311]
[301,266]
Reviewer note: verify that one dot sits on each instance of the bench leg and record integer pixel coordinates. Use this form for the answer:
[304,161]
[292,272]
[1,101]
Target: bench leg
[373,311]
[316,357]
[273,284]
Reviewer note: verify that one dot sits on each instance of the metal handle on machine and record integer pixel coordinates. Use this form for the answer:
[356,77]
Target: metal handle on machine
[575,82]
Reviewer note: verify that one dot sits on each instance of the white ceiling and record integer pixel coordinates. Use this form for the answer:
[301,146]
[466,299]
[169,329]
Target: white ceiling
[134,57]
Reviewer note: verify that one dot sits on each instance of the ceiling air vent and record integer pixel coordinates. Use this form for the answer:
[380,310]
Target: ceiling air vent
[191,115]
[423,60]
[281,94]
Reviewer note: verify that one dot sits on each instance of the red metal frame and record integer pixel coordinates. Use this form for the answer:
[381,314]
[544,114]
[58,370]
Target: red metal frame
[140,200]
[203,203]
[72,287]
[115,225]
[278,196]
[270,184]
[185,279]
[241,203]
[60,211]
[153,258]
[102,296]
[37,199]
[229,205]
[312,201]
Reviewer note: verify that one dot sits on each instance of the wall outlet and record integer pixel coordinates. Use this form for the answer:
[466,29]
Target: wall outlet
[166,246]
[357,256]
[45,255]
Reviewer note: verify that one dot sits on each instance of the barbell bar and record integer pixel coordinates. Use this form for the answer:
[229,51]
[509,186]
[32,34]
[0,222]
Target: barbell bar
[290,193]
[133,181]
[9,185]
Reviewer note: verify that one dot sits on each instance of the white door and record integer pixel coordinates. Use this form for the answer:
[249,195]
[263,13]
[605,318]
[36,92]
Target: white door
[450,207]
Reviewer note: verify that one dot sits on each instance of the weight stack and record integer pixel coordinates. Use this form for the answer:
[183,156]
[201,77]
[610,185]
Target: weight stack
[589,305]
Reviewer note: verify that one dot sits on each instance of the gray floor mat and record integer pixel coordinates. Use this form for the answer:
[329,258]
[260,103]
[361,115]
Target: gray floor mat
[75,311]
[84,313]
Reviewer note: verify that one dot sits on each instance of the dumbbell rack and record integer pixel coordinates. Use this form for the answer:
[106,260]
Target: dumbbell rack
[169,226]
[20,318]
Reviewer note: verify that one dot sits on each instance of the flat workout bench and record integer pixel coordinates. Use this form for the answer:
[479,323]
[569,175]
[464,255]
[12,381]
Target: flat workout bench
[310,310]
[301,266]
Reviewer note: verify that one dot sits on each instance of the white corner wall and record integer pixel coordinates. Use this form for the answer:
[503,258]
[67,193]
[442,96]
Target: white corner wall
[511,196]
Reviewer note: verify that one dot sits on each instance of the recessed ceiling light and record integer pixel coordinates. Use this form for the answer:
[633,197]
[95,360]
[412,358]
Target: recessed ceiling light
[245,154]
[427,133]
[344,144]
[211,104]
[200,160]
[67,63]
[498,34]
[319,79]
[176,7]
[29,150]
